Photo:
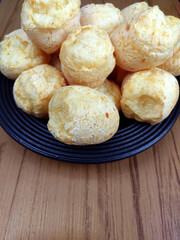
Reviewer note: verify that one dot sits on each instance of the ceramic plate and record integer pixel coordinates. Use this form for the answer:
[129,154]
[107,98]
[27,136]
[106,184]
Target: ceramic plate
[132,137]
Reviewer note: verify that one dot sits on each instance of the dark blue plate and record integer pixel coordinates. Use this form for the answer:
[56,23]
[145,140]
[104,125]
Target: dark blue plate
[132,137]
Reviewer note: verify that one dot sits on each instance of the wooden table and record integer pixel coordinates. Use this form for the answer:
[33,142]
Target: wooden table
[134,199]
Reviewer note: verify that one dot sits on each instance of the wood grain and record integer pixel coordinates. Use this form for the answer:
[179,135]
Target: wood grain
[133,199]
[177,5]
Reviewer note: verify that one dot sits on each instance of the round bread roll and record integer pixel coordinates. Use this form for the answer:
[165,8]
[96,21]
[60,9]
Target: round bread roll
[55,61]
[149,95]
[34,88]
[112,91]
[146,40]
[80,115]
[104,16]
[18,53]
[172,64]
[87,56]
[133,9]
[49,22]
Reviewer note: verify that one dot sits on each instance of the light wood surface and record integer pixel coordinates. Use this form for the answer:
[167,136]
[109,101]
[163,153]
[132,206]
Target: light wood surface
[134,199]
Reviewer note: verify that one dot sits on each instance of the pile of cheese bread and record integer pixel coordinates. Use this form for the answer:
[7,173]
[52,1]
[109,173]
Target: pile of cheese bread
[79,66]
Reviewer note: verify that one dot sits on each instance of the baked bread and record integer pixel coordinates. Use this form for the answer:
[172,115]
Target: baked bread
[104,16]
[18,53]
[172,64]
[145,40]
[149,95]
[133,9]
[87,56]
[34,88]
[112,91]
[49,22]
[79,115]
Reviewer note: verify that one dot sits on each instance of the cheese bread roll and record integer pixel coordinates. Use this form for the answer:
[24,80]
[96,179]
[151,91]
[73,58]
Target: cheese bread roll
[172,64]
[133,9]
[104,16]
[87,56]
[79,115]
[145,40]
[34,88]
[149,95]
[49,22]
[112,91]
[18,53]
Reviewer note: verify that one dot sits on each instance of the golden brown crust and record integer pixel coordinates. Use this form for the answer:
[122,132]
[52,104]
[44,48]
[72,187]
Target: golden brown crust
[80,115]
[48,23]
[18,53]
[149,96]
[133,9]
[49,14]
[172,64]
[112,91]
[145,40]
[87,56]
[34,88]
[104,16]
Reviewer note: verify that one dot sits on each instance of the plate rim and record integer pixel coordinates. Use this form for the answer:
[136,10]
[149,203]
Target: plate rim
[92,160]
